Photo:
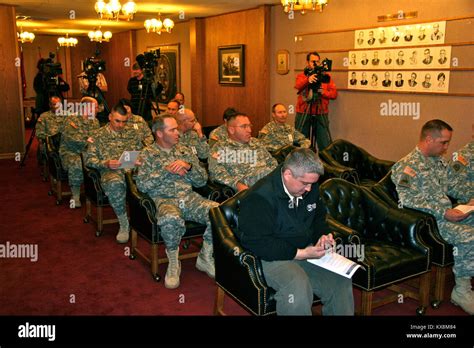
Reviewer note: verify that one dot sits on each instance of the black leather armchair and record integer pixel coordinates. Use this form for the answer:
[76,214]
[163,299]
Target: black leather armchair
[393,250]
[442,252]
[57,174]
[330,171]
[344,154]
[96,196]
[239,272]
[143,223]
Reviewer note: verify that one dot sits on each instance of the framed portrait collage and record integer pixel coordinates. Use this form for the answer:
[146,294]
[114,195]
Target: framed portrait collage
[385,67]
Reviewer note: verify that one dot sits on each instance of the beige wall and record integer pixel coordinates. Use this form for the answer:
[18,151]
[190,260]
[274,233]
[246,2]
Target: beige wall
[180,34]
[355,116]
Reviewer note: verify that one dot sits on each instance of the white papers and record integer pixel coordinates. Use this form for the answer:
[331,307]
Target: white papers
[128,159]
[465,208]
[336,263]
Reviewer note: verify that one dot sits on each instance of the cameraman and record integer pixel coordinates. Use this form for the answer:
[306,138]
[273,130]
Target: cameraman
[312,110]
[101,83]
[142,92]
[41,89]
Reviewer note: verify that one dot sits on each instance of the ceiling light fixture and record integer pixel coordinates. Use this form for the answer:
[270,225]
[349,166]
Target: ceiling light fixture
[25,37]
[111,10]
[303,5]
[158,26]
[67,41]
[98,36]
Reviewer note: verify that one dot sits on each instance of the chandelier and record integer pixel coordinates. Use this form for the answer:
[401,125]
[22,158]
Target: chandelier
[67,41]
[98,36]
[111,10]
[158,26]
[303,5]
[24,36]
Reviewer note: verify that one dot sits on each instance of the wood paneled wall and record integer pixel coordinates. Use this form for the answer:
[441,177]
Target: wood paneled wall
[251,28]
[12,129]
[117,54]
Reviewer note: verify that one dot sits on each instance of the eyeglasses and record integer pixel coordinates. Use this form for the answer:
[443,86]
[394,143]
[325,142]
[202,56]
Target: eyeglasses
[243,126]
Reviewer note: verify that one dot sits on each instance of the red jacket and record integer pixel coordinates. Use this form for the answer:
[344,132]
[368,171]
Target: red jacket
[329,92]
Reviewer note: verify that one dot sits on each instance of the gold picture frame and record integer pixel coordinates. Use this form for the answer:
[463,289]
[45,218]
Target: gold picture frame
[283,62]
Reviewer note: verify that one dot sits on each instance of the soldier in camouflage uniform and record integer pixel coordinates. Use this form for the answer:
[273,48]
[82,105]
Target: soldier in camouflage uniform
[49,123]
[76,130]
[190,133]
[167,174]
[173,107]
[462,165]
[103,153]
[137,124]
[220,133]
[277,133]
[240,160]
[423,180]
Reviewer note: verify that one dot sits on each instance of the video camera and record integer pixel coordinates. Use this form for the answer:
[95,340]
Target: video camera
[147,62]
[92,66]
[320,72]
[51,72]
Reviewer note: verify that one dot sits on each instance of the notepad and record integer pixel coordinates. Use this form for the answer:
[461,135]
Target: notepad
[128,159]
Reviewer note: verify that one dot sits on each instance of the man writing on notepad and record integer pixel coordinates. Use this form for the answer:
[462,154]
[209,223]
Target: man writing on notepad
[104,150]
[424,180]
[282,220]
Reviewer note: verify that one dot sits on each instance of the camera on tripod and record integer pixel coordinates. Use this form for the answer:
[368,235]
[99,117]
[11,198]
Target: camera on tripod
[51,70]
[320,72]
[92,67]
[147,62]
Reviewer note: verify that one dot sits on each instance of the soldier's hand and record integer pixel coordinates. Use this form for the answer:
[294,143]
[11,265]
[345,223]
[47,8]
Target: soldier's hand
[113,164]
[455,215]
[198,129]
[178,167]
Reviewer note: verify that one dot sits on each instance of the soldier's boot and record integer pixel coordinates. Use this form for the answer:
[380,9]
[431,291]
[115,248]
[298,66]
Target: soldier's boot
[462,295]
[124,232]
[205,260]
[174,269]
[76,197]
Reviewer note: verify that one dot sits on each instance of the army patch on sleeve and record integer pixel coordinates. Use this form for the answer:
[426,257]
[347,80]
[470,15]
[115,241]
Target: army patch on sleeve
[215,155]
[90,140]
[462,160]
[409,171]
[73,125]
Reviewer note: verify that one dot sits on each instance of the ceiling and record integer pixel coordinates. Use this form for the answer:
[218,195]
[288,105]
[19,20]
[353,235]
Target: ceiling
[58,17]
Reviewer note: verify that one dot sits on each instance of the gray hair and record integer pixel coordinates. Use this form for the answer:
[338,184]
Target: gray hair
[159,122]
[302,161]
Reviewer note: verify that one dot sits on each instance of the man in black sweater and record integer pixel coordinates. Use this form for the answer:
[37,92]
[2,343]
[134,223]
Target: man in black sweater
[283,221]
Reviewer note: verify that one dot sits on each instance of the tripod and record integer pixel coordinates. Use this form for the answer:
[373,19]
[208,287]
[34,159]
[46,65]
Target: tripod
[147,101]
[315,101]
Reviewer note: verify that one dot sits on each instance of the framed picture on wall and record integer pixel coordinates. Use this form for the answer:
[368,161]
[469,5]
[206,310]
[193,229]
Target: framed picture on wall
[167,71]
[283,61]
[231,62]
